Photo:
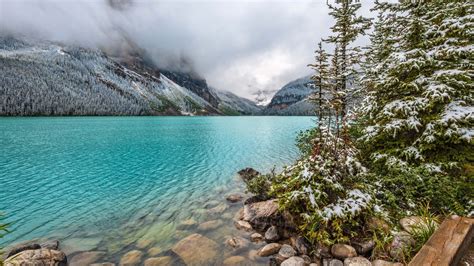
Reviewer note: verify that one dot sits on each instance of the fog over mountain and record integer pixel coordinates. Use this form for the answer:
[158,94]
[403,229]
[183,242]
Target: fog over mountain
[246,47]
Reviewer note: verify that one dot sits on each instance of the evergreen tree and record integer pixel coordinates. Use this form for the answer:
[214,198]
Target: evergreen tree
[419,110]
[347,28]
[320,79]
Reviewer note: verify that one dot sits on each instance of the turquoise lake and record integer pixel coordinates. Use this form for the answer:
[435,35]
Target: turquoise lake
[116,184]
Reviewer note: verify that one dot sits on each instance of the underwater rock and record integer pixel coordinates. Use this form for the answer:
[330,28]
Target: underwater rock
[131,258]
[234,197]
[248,173]
[86,258]
[234,260]
[210,225]
[196,249]
[237,242]
[50,244]
[158,261]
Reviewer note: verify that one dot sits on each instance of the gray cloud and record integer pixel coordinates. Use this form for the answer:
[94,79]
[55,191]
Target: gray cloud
[241,46]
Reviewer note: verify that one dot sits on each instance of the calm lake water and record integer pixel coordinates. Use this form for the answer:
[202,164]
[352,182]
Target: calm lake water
[116,184]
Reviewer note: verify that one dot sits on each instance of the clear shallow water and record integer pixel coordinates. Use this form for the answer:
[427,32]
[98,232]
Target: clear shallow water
[122,183]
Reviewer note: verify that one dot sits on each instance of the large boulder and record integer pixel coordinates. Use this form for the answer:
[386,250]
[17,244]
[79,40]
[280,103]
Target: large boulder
[196,249]
[342,251]
[86,258]
[248,173]
[293,261]
[357,261]
[41,256]
[269,249]
[261,214]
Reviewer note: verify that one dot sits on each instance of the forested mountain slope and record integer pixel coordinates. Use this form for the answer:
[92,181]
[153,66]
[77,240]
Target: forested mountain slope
[53,79]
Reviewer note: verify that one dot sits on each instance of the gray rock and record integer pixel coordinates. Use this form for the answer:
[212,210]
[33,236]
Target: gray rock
[41,256]
[103,264]
[248,174]
[306,258]
[293,261]
[357,261]
[50,244]
[301,244]
[401,242]
[237,242]
[385,263]
[256,237]
[269,249]
[234,197]
[22,247]
[271,235]
[286,251]
[243,225]
[409,222]
[342,251]
[332,262]
[261,214]
[363,247]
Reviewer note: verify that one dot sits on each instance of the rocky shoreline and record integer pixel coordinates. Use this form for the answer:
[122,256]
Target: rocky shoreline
[267,236]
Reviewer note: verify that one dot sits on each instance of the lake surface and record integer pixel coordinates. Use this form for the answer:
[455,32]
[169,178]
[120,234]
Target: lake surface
[124,183]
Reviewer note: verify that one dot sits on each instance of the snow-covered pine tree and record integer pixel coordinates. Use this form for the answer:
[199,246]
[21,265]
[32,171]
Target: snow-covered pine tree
[347,28]
[326,190]
[419,111]
[320,81]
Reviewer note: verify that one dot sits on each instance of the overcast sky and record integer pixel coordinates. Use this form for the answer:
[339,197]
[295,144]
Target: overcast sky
[242,46]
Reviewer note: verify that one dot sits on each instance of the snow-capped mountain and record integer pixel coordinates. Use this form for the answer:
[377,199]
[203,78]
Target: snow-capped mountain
[292,99]
[42,78]
[231,104]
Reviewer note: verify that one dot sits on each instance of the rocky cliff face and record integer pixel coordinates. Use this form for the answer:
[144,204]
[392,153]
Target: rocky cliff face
[292,99]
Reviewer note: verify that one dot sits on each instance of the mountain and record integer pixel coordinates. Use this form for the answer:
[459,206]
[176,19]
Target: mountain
[42,78]
[231,104]
[292,99]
